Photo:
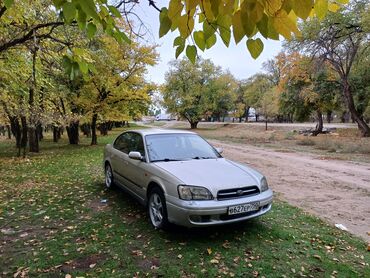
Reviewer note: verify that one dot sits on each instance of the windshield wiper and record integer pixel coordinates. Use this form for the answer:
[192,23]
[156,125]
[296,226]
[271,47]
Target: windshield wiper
[165,160]
[202,157]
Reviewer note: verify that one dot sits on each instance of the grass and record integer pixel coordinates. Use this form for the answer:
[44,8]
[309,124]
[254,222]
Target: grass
[53,222]
[344,144]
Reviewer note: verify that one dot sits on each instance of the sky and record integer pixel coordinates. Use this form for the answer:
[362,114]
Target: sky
[234,58]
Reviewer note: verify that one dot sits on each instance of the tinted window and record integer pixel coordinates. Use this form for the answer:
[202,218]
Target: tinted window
[130,142]
[178,147]
[121,143]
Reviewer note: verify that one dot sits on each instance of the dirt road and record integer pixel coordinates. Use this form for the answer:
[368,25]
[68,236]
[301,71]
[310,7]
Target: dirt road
[338,191]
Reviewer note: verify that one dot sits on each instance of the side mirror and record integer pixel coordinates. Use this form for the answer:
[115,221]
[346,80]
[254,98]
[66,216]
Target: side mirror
[220,150]
[135,155]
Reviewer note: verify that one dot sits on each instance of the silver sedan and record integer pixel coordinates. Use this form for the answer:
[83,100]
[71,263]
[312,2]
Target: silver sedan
[182,179]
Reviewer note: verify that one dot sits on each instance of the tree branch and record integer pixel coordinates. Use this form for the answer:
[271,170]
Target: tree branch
[29,35]
[2,11]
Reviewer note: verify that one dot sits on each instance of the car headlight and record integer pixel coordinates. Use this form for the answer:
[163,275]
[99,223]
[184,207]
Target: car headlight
[264,184]
[188,192]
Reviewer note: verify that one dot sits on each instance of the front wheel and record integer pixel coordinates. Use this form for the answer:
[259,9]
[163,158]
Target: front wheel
[157,209]
[108,176]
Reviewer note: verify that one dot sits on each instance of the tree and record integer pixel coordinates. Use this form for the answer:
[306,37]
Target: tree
[188,88]
[221,94]
[116,90]
[338,39]
[269,18]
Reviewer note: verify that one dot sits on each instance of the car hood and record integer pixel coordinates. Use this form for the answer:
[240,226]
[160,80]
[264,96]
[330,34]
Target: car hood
[214,174]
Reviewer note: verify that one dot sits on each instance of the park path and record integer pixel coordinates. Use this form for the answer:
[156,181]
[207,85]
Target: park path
[336,190]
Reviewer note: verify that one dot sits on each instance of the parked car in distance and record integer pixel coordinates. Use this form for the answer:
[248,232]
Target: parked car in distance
[182,179]
[164,117]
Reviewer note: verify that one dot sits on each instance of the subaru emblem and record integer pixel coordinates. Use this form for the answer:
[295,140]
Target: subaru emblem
[239,192]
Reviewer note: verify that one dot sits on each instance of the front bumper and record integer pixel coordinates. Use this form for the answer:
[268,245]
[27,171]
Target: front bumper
[214,212]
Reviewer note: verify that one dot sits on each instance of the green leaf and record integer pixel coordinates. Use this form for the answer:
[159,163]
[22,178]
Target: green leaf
[121,36]
[58,3]
[262,26]
[91,30]
[114,11]
[211,41]
[191,53]
[165,22]
[238,30]
[199,40]
[84,67]
[179,50]
[69,11]
[247,23]
[88,6]
[178,41]
[8,3]
[321,8]
[224,23]
[81,19]
[302,8]
[208,30]
[255,47]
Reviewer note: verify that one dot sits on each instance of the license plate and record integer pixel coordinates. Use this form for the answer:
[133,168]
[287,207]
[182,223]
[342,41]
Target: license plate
[243,208]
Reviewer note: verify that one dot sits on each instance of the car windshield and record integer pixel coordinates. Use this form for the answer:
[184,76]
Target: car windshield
[178,147]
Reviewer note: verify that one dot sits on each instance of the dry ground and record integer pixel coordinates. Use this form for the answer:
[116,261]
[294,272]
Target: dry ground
[337,190]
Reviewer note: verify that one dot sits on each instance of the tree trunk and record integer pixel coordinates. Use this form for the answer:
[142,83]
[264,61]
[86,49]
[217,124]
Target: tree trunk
[266,124]
[328,116]
[72,132]
[193,125]
[9,131]
[16,130]
[33,139]
[23,141]
[247,113]
[56,133]
[320,123]
[94,139]
[363,127]
[40,131]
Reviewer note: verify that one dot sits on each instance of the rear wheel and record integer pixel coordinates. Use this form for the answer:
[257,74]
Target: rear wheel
[157,209]
[108,176]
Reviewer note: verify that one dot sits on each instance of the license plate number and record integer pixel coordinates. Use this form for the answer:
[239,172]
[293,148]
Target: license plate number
[243,208]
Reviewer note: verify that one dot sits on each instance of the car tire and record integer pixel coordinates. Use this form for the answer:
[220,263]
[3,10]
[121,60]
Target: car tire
[157,209]
[109,180]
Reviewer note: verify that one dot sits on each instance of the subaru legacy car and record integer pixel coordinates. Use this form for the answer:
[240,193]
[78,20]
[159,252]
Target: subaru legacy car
[182,179]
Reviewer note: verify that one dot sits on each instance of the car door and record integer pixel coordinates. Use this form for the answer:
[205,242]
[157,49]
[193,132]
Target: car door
[120,159]
[135,168]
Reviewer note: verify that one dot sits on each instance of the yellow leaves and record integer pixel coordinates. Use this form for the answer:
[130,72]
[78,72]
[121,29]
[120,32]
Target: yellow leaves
[272,6]
[302,8]
[284,25]
[209,251]
[186,26]
[321,7]
[247,18]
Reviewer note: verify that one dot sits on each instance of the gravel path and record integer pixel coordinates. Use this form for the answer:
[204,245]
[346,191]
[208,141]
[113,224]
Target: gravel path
[338,191]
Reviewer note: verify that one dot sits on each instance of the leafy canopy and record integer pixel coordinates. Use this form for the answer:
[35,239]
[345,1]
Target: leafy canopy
[201,22]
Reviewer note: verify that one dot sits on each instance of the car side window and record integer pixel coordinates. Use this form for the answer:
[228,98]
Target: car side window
[137,144]
[122,143]
[130,142]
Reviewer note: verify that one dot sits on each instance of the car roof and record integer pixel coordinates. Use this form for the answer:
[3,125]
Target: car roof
[151,131]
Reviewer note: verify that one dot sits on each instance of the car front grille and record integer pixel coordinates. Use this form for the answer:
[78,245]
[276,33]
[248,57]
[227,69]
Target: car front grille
[237,192]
